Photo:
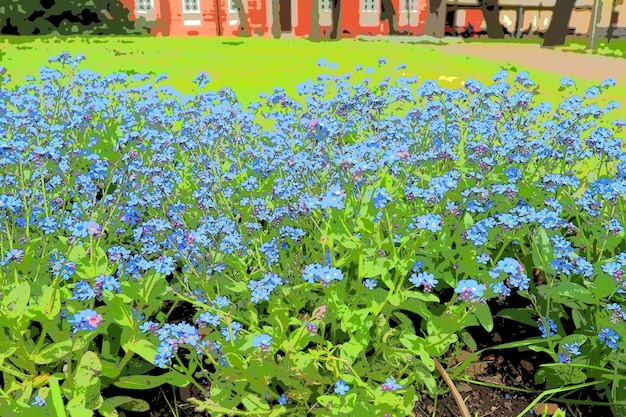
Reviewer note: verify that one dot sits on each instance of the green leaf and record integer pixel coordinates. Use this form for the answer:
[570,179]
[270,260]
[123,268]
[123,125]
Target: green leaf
[374,266]
[7,348]
[578,338]
[417,346]
[77,408]
[564,290]
[298,340]
[122,313]
[423,296]
[17,300]
[110,370]
[234,286]
[155,292]
[78,255]
[520,315]
[617,395]
[143,348]
[395,299]
[59,350]
[123,402]
[143,382]
[484,316]
[542,349]
[348,403]
[279,316]
[603,284]
[236,360]
[352,320]
[417,307]
[439,344]
[348,241]
[328,401]
[579,317]
[50,302]
[55,397]
[87,380]
[350,350]
[561,375]
[130,290]
[84,266]
[542,253]
[254,403]
[12,408]
[366,225]
[26,392]
[101,266]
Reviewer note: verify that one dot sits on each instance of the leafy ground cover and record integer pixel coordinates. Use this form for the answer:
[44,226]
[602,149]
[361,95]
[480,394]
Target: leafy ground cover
[321,255]
[604,46]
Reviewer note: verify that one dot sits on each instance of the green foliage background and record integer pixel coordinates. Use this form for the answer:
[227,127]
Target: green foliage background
[67,17]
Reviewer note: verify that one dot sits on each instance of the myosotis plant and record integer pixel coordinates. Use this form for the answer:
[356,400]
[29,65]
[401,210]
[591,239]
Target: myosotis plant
[299,256]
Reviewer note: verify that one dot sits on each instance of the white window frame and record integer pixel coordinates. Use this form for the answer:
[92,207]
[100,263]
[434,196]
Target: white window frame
[460,18]
[232,8]
[322,3]
[374,10]
[150,4]
[185,10]
[409,6]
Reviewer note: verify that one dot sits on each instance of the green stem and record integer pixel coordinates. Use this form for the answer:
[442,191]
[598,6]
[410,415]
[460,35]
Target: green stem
[70,378]
[17,374]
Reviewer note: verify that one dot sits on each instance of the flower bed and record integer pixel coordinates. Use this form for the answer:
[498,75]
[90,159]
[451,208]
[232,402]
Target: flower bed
[332,248]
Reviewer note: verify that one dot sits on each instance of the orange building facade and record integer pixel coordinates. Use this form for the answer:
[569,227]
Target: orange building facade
[221,17]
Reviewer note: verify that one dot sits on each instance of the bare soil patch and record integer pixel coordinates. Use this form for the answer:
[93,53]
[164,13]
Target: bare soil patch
[569,64]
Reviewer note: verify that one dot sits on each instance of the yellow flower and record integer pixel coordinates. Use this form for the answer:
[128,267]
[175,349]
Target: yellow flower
[41,380]
[448,79]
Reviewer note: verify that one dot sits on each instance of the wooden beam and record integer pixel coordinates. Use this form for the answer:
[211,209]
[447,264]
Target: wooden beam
[526,8]
[518,22]
[593,27]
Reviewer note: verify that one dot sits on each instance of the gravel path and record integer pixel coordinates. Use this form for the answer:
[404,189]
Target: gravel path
[570,64]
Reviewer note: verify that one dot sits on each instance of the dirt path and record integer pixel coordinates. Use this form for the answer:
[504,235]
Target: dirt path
[569,64]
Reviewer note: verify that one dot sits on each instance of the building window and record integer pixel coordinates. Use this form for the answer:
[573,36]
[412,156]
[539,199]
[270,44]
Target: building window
[191,6]
[143,6]
[409,5]
[370,5]
[325,5]
[232,6]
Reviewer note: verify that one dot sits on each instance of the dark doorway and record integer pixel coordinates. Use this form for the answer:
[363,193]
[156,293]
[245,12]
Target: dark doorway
[285,15]
[450,14]
[451,23]
[611,29]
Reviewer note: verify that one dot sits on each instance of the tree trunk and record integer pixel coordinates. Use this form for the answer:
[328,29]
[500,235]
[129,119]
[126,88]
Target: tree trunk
[244,29]
[557,31]
[336,13]
[388,13]
[491,13]
[276,19]
[218,21]
[436,19]
[314,34]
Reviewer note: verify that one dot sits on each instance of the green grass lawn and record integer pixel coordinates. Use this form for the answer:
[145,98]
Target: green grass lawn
[253,65]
